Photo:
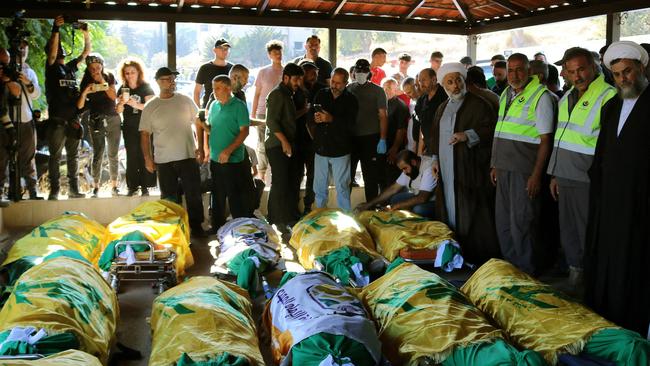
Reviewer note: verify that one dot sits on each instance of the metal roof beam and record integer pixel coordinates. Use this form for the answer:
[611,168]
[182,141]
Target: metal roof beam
[337,9]
[463,10]
[416,5]
[262,7]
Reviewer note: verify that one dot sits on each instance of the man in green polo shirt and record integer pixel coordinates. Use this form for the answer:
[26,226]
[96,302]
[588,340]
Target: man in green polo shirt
[229,165]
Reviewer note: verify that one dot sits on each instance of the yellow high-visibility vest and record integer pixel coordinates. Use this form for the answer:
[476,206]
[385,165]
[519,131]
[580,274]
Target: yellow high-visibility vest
[518,121]
[578,131]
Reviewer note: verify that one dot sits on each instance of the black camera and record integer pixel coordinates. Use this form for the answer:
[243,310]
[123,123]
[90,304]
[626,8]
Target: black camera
[76,24]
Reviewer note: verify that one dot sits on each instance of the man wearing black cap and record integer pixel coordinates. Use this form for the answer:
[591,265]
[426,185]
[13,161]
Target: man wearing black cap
[168,117]
[371,129]
[62,94]
[280,144]
[207,72]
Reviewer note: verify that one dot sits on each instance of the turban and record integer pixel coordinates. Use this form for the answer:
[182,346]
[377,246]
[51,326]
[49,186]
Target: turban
[625,49]
[449,68]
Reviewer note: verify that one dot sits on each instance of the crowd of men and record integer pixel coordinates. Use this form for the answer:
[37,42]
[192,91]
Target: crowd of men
[486,157]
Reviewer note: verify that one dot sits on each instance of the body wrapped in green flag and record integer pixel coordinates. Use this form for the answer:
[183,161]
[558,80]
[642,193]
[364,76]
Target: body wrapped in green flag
[423,320]
[537,317]
[333,241]
[313,320]
[70,231]
[204,321]
[72,304]
[65,358]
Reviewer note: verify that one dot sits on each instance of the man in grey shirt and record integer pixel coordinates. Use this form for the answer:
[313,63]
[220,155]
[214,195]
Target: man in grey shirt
[370,131]
[168,118]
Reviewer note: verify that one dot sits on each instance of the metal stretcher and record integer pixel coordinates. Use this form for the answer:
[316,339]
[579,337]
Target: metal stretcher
[157,266]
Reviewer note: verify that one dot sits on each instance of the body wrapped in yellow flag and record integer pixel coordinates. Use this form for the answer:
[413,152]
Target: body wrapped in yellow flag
[395,231]
[65,358]
[71,304]
[204,319]
[70,231]
[423,319]
[537,317]
[163,223]
[333,241]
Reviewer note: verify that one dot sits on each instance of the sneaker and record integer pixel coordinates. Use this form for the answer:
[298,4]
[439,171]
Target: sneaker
[34,196]
[115,192]
[131,192]
[144,192]
[95,192]
[76,194]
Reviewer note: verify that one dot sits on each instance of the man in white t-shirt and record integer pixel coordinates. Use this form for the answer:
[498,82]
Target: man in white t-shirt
[168,118]
[412,191]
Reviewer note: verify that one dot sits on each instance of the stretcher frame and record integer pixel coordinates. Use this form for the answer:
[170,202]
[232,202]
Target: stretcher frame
[161,271]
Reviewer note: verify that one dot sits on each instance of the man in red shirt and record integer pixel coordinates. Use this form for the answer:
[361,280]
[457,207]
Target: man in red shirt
[378,60]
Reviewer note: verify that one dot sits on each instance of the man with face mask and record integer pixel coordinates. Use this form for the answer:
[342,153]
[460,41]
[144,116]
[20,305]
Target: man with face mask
[461,140]
[419,182]
[371,129]
[280,144]
[617,251]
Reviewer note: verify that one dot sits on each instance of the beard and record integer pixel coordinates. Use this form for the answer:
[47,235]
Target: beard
[415,171]
[631,90]
[456,96]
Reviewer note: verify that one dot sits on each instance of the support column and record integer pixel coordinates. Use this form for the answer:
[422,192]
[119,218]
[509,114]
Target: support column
[171,45]
[613,30]
[472,41]
[332,45]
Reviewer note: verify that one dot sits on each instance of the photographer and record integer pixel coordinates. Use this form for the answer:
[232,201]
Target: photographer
[61,91]
[98,96]
[7,130]
[21,90]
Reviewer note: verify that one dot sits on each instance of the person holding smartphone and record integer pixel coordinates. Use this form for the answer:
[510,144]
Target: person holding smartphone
[335,115]
[98,96]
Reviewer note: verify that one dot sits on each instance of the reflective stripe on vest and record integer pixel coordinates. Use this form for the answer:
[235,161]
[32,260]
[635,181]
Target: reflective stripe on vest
[579,130]
[518,121]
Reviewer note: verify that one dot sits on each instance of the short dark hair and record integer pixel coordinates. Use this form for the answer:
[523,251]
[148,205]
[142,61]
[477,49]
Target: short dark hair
[223,79]
[499,57]
[579,52]
[405,156]
[291,69]
[436,54]
[519,57]
[341,71]
[404,57]
[378,51]
[539,67]
[274,45]
[500,65]
[539,54]
[475,76]
[466,60]
[407,81]
[430,71]
[313,36]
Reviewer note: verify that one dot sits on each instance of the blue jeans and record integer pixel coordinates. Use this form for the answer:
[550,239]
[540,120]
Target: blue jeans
[426,209]
[340,167]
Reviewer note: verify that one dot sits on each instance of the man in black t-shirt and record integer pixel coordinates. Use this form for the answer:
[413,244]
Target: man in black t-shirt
[312,48]
[398,118]
[62,94]
[425,108]
[207,72]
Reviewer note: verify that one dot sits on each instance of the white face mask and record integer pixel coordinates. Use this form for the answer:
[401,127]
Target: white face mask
[361,77]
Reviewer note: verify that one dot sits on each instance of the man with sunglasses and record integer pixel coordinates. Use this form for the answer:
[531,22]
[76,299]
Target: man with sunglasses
[168,117]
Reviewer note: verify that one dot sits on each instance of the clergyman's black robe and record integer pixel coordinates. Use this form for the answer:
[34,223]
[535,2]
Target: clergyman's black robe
[617,253]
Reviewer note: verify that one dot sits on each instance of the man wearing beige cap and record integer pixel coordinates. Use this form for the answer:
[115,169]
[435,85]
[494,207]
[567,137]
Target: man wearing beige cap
[617,252]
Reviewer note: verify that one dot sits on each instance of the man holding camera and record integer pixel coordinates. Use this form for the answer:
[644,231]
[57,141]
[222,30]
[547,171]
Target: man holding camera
[61,91]
[21,91]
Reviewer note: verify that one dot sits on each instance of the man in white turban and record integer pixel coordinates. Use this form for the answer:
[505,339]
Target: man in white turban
[462,132]
[617,253]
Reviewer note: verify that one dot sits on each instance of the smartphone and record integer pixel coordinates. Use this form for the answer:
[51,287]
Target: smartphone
[100,87]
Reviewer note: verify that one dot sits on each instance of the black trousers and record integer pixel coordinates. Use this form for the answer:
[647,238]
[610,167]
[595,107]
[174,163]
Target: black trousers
[305,157]
[232,182]
[56,140]
[285,187]
[364,150]
[136,173]
[187,171]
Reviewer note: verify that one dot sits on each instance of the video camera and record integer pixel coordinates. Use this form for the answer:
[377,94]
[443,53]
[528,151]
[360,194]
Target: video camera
[17,35]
